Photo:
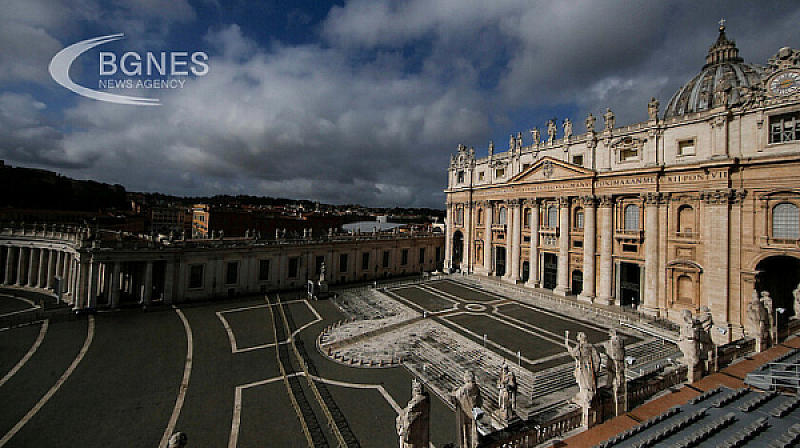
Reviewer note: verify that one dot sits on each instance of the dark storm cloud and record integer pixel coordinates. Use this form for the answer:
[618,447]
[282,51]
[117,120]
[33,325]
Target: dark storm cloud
[371,112]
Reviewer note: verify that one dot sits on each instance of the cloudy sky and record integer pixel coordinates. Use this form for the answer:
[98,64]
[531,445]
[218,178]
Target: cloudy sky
[354,101]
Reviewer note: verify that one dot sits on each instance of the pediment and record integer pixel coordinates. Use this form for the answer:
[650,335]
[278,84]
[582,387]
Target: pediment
[549,169]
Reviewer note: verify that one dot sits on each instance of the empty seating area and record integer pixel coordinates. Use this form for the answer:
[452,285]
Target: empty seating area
[719,417]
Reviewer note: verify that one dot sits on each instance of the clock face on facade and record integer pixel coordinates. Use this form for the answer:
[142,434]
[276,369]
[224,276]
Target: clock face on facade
[786,83]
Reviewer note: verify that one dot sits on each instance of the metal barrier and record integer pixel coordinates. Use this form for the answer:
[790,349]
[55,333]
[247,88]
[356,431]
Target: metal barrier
[292,397]
[333,424]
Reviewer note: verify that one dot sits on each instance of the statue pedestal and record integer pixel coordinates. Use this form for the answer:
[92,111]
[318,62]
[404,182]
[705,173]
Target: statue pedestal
[500,420]
[590,414]
[694,373]
[621,401]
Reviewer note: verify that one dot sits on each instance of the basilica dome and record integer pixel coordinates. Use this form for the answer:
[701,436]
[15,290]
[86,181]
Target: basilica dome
[724,72]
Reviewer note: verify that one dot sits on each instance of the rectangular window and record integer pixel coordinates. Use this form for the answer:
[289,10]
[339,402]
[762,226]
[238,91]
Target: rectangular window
[385,259]
[438,254]
[686,147]
[628,154]
[461,177]
[525,166]
[481,176]
[343,263]
[500,172]
[365,261]
[404,257]
[196,276]
[421,255]
[263,270]
[232,273]
[784,128]
[577,160]
[630,248]
[318,263]
[294,266]
[577,243]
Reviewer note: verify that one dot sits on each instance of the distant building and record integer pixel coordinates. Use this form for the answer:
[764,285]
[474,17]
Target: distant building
[91,268]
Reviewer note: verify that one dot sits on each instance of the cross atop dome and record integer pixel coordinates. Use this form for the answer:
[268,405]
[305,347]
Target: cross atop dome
[723,50]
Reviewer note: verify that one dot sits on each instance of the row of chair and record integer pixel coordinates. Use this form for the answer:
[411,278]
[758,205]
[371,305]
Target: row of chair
[705,432]
[758,401]
[788,439]
[745,435]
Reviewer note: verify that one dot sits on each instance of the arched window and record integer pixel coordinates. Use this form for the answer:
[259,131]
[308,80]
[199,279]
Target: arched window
[501,219]
[785,221]
[479,218]
[579,218]
[631,217]
[685,219]
[552,216]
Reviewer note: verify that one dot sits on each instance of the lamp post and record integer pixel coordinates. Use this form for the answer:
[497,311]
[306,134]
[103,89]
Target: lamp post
[775,327]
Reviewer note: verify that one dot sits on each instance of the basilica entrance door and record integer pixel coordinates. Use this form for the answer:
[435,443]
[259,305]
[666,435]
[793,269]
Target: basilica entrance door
[458,248]
[779,275]
[629,284]
[500,261]
[549,271]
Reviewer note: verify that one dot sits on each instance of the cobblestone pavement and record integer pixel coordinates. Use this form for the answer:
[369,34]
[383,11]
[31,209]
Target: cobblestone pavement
[126,370]
[211,369]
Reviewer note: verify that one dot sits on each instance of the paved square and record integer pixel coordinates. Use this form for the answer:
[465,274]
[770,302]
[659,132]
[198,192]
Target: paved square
[212,369]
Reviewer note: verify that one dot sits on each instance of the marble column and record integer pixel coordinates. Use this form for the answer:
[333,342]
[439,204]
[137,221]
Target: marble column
[589,238]
[115,286]
[533,254]
[148,284]
[508,230]
[82,285]
[651,268]
[51,268]
[466,262]
[605,294]
[562,284]
[59,265]
[21,263]
[41,269]
[10,259]
[448,237]
[33,268]
[92,286]
[487,238]
[515,231]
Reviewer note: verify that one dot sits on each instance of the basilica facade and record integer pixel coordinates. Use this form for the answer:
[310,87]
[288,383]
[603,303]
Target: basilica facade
[697,206]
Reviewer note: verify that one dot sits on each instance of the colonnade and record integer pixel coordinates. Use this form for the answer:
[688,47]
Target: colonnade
[598,229]
[78,281]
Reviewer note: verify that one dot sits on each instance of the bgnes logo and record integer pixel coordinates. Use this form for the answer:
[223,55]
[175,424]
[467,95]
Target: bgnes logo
[131,64]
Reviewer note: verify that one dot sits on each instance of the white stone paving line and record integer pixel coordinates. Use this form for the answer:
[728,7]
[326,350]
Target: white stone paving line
[237,406]
[54,389]
[34,347]
[232,337]
[187,372]
[33,305]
